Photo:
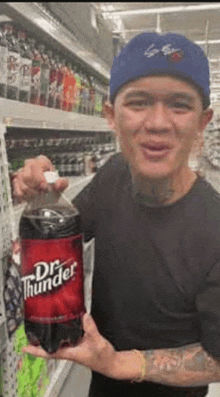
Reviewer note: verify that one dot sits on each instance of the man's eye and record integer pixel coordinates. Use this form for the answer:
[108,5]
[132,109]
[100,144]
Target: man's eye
[140,103]
[181,105]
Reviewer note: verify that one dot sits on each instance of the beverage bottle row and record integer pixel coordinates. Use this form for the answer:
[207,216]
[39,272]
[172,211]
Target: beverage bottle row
[33,74]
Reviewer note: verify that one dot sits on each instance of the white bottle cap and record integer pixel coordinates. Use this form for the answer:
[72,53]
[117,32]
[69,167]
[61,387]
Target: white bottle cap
[51,176]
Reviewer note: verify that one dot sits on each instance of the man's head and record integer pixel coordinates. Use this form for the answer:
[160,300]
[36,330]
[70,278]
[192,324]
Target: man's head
[154,54]
[159,93]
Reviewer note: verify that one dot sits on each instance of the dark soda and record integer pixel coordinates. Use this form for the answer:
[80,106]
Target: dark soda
[52,274]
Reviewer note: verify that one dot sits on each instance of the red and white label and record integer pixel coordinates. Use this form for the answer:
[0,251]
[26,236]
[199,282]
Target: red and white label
[52,277]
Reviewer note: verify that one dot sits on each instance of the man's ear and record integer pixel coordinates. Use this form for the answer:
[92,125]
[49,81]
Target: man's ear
[206,118]
[109,114]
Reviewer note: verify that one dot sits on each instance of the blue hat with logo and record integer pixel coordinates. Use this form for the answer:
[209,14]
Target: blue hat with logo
[155,54]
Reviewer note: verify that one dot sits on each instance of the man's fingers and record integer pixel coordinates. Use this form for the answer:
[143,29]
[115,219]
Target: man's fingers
[35,351]
[33,175]
[61,184]
[22,191]
[64,353]
[90,327]
[44,163]
[29,180]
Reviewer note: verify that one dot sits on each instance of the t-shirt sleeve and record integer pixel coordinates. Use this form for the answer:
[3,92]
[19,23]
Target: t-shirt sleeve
[208,306]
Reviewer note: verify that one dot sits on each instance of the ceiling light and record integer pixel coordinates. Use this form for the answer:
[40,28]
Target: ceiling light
[207,42]
[163,10]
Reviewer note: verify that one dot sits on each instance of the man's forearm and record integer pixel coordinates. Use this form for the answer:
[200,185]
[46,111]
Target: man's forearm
[185,366]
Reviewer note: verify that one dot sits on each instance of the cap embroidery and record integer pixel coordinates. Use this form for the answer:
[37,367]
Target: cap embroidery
[165,50]
[176,57]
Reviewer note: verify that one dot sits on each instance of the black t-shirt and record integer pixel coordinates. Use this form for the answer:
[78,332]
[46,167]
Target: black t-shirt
[156,280]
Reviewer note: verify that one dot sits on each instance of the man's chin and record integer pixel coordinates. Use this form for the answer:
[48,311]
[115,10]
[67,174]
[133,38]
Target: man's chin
[154,172]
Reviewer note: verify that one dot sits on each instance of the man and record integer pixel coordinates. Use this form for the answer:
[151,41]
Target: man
[155,324]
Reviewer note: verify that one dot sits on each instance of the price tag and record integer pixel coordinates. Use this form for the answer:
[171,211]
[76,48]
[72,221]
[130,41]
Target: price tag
[8,121]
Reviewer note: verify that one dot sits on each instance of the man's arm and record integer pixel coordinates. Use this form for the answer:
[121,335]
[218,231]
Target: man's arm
[186,366]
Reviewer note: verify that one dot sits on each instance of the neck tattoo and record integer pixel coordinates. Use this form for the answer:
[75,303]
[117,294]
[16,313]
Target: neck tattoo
[152,194]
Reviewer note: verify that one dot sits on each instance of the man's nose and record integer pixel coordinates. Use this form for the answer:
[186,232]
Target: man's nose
[157,118]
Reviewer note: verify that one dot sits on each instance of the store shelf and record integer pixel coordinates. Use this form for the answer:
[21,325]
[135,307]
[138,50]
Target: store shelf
[59,378]
[3,333]
[19,114]
[34,14]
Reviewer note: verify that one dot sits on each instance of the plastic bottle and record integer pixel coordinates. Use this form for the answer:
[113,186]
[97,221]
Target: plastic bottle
[25,67]
[60,84]
[35,73]
[13,74]
[52,80]
[3,64]
[44,76]
[52,270]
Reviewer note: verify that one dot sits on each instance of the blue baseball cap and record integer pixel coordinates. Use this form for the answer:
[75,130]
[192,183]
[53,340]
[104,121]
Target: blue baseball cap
[155,54]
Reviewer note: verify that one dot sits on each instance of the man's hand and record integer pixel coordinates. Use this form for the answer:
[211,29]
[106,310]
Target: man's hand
[30,180]
[93,351]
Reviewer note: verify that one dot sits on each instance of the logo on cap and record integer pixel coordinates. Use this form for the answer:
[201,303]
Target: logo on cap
[164,50]
[176,57]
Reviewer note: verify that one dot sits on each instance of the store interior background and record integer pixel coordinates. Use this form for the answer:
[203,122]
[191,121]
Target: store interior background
[64,119]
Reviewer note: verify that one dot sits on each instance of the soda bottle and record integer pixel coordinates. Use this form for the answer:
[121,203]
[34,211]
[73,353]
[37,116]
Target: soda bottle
[98,101]
[44,76]
[25,67]
[52,80]
[35,73]
[13,74]
[3,64]
[66,83]
[52,270]
[77,92]
[69,89]
[91,99]
[84,95]
[60,84]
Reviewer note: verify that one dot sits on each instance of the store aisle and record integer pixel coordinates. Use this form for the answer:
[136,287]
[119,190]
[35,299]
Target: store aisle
[214,390]
[77,382]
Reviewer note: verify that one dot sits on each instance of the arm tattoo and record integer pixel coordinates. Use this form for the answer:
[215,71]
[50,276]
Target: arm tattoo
[185,366]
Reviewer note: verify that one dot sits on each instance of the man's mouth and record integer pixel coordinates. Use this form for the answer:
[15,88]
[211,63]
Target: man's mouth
[155,149]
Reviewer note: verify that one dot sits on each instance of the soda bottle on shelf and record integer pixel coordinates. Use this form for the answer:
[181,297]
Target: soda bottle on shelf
[52,80]
[70,89]
[44,76]
[35,73]
[25,67]
[3,64]
[82,94]
[98,100]
[66,87]
[86,95]
[72,165]
[52,270]
[60,84]
[91,96]
[78,89]
[13,63]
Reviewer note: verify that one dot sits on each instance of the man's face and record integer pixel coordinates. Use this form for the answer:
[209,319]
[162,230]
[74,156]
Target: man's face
[157,119]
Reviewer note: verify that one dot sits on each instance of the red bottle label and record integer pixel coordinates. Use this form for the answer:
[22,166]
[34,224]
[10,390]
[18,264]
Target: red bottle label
[52,277]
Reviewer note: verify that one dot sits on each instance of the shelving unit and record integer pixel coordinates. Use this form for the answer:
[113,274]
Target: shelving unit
[26,116]
[37,19]
[18,114]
